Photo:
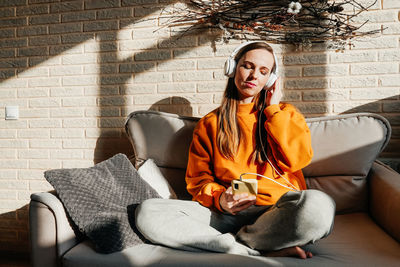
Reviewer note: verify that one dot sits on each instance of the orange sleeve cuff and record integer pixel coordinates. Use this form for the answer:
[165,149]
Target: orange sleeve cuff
[271,110]
[216,196]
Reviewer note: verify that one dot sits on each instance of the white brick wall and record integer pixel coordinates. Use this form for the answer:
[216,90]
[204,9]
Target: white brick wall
[76,69]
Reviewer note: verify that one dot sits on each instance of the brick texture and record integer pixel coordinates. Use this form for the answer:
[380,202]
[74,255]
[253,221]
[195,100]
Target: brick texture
[77,68]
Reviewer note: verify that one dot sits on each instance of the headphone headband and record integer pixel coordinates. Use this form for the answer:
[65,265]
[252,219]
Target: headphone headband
[242,45]
[230,64]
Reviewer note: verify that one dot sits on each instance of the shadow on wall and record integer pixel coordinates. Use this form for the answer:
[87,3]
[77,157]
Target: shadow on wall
[98,19]
[103,22]
[107,146]
[18,220]
[116,87]
[306,79]
[175,104]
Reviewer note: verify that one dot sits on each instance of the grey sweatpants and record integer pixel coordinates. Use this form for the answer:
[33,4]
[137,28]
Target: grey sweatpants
[297,219]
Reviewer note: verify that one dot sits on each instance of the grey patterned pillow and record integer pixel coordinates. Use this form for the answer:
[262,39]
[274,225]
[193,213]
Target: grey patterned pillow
[101,201]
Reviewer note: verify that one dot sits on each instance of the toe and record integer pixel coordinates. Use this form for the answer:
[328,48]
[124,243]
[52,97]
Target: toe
[300,253]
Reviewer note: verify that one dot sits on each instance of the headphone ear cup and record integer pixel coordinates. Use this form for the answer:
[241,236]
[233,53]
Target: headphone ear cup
[229,68]
[271,80]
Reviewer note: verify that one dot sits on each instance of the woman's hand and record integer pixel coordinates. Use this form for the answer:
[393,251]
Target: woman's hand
[234,203]
[274,95]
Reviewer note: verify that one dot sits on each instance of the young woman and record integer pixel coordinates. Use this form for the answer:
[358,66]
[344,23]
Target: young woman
[251,132]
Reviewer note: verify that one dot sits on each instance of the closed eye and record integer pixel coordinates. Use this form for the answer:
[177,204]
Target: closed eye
[247,66]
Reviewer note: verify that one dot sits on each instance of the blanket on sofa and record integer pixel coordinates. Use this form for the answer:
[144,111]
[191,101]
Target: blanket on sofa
[101,201]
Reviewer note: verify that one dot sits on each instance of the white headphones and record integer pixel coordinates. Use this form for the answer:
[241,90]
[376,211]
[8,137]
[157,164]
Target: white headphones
[230,64]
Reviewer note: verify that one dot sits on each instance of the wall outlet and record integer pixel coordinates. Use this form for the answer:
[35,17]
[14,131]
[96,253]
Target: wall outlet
[12,112]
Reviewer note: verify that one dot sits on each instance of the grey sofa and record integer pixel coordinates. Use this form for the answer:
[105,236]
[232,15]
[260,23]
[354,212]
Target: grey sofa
[367,194]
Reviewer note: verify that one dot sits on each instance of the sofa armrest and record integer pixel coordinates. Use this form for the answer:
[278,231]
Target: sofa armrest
[51,234]
[385,198]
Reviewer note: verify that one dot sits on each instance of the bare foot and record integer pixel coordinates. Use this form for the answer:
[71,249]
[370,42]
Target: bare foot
[290,252]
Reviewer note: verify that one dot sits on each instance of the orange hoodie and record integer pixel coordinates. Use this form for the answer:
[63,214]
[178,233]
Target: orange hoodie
[209,173]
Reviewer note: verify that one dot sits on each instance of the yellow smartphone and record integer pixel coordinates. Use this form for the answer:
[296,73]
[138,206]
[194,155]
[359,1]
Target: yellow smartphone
[248,186]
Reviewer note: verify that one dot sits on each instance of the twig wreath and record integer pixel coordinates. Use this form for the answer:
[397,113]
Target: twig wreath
[281,21]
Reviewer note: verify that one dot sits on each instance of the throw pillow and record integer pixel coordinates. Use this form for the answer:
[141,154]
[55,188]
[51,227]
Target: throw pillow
[150,172]
[101,201]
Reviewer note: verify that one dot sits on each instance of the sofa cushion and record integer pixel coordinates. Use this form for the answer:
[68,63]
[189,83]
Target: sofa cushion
[165,138]
[176,178]
[101,201]
[346,144]
[161,136]
[151,173]
[349,192]
[345,148]
[355,241]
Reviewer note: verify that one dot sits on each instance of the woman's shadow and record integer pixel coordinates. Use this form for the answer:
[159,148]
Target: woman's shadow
[174,104]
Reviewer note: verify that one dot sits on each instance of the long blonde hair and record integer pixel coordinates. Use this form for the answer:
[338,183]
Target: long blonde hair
[229,135]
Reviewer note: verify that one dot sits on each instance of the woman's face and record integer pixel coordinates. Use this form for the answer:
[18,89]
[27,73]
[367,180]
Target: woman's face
[252,72]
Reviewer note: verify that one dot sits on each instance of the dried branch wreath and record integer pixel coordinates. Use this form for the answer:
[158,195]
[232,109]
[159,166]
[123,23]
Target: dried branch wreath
[281,21]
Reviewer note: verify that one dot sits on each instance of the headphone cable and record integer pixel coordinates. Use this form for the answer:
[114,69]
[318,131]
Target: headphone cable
[265,154]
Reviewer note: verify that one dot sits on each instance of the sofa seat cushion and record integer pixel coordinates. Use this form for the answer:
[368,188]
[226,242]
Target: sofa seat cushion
[355,241]
[83,255]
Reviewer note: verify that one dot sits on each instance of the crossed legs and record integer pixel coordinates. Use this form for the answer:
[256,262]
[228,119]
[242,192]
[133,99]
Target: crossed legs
[297,219]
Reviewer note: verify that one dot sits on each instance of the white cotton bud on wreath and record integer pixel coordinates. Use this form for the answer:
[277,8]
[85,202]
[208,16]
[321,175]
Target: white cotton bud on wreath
[294,8]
